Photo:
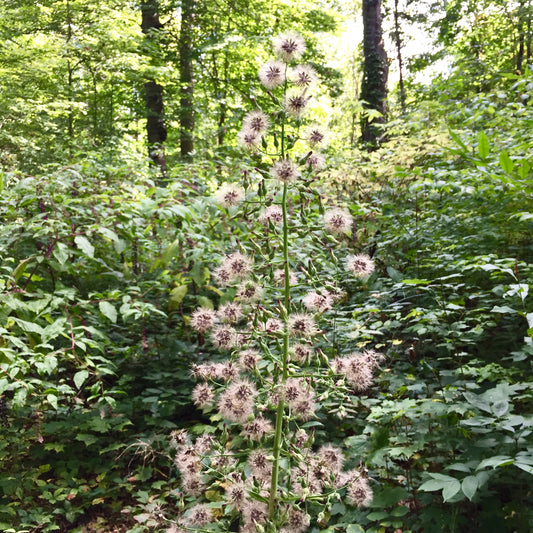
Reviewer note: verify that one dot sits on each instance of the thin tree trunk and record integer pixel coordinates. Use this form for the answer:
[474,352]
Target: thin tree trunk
[398,42]
[186,113]
[375,72]
[156,129]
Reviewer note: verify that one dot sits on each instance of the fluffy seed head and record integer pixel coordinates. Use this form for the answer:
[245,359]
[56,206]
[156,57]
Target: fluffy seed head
[288,46]
[301,353]
[302,325]
[285,171]
[272,74]
[303,75]
[316,161]
[318,302]
[230,313]
[296,103]
[257,428]
[203,395]
[297,521]
[238,265]
[229,195]
[257,121]
[249,291]
[316,136]
[338,220]
[361,265]
[248,359]
[273,213]
[248,139]
[224,337]
[199,515]
[203,319]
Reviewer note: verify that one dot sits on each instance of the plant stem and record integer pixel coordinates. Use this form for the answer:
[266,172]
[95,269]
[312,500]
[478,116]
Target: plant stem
[281,403]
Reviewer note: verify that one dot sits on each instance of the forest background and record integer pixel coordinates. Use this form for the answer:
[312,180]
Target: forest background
[118,122]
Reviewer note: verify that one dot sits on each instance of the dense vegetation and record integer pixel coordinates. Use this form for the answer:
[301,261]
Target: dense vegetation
[104,257]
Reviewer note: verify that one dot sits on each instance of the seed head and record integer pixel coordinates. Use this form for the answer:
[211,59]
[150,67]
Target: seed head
[361,265]
[229,195]
[316,302]
[315,135]
[288,46]
[303,75]
[248,359]
[316,161]
[273,213]
[296,103]
[224,337]
[248,139]
[302,325]
[203,319]
[230,312]
[300,353]
[338,220]
[272,74]
[257,428]
[257,122]
[203,395]
[199,515]
[285,171]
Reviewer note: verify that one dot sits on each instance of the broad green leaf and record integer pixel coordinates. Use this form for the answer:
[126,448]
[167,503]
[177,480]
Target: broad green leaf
[432,485]
[80,377]
[523,170]
[21,267]
[469,486]
[108,310]
[504,309]
[500,408]
[60,252]
[84,245]
[451,489]
[524,467]
[52,400]
[495,461]
[477,401]
[506,162]
[176,296]
[354,528]
[483,146]
[86,438]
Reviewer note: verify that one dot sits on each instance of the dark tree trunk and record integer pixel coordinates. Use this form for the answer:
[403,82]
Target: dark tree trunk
[374,85]
[186,113]
[398,42]
[156,129]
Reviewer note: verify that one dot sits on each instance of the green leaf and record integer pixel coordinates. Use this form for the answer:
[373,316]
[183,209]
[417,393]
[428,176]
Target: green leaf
[87,438]
[458,140]
[483,146]
[469,486]
[84,245]
[21,267]
[523,170]
[354,528]
[451,489]
[504,309]
[80,377]
[500,408]
[176,296]
[60,252]
[526,468]
[52,400]
[495,461]
[108,310]
[506,162]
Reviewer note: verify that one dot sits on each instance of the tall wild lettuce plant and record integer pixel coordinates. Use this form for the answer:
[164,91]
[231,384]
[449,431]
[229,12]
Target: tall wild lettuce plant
[266,470]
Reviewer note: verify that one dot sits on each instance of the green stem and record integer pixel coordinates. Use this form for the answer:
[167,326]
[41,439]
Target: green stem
[281,404]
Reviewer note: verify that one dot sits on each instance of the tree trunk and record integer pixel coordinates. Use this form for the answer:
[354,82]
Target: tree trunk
[186,113]
[374,85]
[156,129]
[398,42]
